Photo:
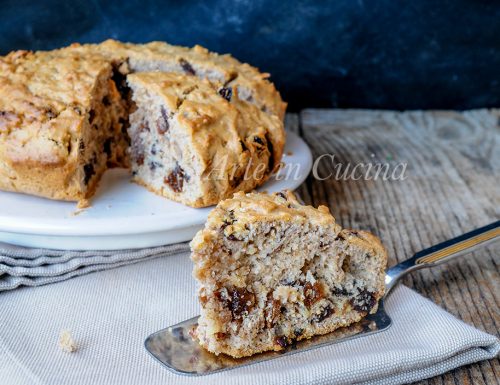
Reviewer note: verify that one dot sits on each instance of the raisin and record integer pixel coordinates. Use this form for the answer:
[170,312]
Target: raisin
[232,237]
[325,313]
[88,170]
[228,221]
[137,153]
[272,311]
[50,113]
[107,146]
[154,165]
[242,301]
[281,194]
[220,335]
[227,251]
[282,341]
[312,293]
[258,140]
[162,124]
[106,101]
[364,301]
[176,179]
[226,93]
[238,300]
[91,116]
[287,282]
[339,291]
[186,66]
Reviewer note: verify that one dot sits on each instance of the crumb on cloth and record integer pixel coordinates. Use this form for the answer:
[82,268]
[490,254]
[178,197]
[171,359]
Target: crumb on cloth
[83,204]
[66,342]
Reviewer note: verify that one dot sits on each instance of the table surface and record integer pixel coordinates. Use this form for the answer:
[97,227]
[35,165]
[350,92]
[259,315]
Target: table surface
[452,185]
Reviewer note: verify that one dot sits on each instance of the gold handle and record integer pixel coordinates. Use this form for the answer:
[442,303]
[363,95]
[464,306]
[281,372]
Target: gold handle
[459,247]
[442,252]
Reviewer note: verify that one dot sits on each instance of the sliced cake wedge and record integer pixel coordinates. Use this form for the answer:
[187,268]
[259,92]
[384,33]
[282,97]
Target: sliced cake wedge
[195,142]
[272,271]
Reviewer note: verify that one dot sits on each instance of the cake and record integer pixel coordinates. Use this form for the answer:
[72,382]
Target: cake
[64,118]
[271,272]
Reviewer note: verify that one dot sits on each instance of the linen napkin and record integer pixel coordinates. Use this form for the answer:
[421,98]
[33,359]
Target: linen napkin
[35,267]
[111,312]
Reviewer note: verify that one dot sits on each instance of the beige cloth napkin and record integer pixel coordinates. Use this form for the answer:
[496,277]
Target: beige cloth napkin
[34,267]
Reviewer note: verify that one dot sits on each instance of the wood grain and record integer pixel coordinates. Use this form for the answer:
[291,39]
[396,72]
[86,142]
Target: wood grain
[452,186]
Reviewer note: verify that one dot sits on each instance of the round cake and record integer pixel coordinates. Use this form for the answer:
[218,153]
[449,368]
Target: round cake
[192,125]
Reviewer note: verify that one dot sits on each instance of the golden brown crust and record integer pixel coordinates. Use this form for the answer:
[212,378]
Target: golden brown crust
[252,84]
[256,207]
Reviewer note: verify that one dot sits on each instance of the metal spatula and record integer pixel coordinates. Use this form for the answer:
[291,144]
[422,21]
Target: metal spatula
[178,352]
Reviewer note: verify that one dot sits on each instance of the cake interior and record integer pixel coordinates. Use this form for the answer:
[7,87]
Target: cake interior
[104,139]
[161,154]
[272,283]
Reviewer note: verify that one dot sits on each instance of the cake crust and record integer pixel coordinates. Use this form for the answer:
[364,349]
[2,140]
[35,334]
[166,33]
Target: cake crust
[272,271]
[252,85]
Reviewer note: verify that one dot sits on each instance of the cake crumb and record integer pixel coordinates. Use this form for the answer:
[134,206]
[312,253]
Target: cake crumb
[83,204]
[66,342]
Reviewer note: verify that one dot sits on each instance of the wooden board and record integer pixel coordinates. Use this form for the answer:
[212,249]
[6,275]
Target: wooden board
[452,186]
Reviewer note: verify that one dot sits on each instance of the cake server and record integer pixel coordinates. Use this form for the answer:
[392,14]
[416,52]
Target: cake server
[178,352]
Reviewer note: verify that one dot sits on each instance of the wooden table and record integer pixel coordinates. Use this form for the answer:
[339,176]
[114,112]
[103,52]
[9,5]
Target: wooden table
[452,186]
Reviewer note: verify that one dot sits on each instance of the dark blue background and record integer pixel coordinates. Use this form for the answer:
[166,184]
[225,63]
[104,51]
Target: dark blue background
[345,53]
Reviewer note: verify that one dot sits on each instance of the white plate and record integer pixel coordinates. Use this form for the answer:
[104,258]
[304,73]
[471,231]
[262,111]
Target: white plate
[123,215]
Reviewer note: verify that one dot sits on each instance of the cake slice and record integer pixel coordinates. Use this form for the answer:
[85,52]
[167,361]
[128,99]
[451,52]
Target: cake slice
[195,142]
[272,271]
